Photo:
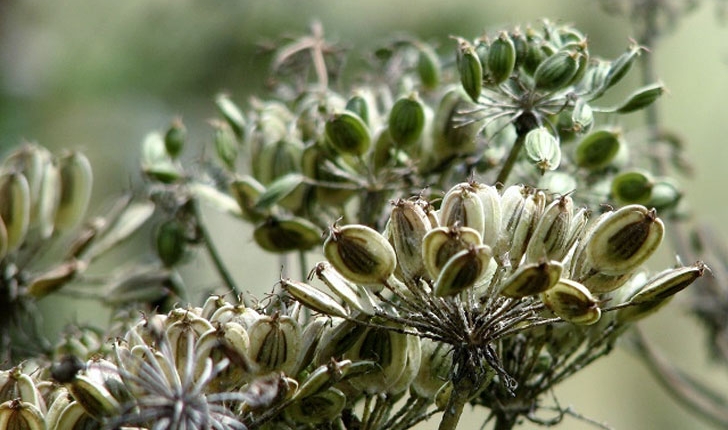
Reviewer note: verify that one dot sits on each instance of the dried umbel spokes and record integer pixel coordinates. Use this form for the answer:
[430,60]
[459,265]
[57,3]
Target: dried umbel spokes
[247,368]
[550,272]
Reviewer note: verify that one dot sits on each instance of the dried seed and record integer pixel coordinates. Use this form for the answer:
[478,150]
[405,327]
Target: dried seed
[572,302]
[360,254]
[532,279]
[624,240]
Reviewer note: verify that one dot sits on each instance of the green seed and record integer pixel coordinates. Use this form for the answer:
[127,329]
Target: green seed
[641,98]
[597,149]
[471,71]
[175,137]
[556,71]
[428,67]
[406,121]
[501,58]
[632,187]
[348,134]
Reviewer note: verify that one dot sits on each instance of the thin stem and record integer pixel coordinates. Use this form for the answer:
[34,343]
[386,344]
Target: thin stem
[524,123]
[464,385]
[504,422]
[511,160]
[303,264]
[215,255]
[455,406]
[697,398]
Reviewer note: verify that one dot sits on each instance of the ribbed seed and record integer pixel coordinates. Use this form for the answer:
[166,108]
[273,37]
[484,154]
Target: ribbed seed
[572,302]
[463,270]
[14,208]
[532,279]
[624,240]
[441,243]
[408,225]
[360,254]
[314,299]
[462,205]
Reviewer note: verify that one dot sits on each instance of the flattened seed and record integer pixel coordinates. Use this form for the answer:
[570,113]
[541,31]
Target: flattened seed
[532,279]
[355,256]
[468,274]
[629,240]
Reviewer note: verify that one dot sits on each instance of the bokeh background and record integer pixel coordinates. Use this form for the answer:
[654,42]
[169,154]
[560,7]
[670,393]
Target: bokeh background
[97,76]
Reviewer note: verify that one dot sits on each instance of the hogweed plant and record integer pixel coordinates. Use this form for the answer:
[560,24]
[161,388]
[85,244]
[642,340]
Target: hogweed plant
[483,229]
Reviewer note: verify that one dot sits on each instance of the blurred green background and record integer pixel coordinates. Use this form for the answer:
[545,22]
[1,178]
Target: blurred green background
[97,76]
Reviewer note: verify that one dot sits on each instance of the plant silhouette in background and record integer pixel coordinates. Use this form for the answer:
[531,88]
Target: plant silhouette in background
[483,221]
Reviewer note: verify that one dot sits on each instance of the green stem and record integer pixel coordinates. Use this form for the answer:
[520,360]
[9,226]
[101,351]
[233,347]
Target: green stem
[462,390]
[303,263]
[504,422]
[212,251]
[511,160]
[524,123]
